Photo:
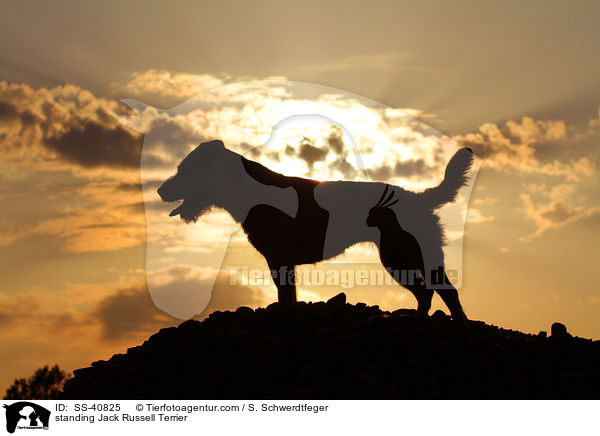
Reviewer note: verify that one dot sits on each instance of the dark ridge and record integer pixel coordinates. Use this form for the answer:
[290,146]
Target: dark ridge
[337,350]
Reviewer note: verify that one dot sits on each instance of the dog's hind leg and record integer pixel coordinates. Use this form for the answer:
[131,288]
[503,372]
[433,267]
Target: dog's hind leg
[284,277]
[450,296]
[423,296]
[437,279]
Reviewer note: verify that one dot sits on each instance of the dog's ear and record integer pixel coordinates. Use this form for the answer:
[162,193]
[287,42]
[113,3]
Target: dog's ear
[217,143]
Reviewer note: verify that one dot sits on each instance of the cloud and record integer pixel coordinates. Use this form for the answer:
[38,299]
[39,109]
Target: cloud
[129,186]
[311,154]
[336,140]
[168,139]
[594,124]
[556,164]
[555,208]
[187,291]
[516,146]
[410,167]
[103,220]
[160,83]
[64,124]
[33,311]
[553,215]
[71,129]
[93,144]
[403,169]
[379,174]
[532,131]
[129,312]
[226,296]
[125,313]
[486,201]
[16,309]
[474,216]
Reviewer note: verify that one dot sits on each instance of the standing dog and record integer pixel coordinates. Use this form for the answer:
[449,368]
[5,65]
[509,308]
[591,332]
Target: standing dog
[295,221]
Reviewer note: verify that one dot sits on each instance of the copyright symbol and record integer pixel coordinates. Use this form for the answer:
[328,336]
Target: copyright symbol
[139,407]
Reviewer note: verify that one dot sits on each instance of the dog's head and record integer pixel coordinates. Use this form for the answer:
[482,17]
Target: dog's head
[198,175]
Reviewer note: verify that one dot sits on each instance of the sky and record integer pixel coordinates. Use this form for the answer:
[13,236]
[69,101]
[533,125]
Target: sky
[518,83]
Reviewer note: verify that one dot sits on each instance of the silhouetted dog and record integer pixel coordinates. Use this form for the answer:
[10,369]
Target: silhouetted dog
[295,221]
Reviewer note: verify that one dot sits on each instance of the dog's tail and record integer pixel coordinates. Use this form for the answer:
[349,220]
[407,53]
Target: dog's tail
[454,178]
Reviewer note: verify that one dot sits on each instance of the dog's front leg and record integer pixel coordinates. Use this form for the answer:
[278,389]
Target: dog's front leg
[284,277]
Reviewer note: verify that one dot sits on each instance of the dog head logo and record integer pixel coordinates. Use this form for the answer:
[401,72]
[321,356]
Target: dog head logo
[301,197]
[26,415]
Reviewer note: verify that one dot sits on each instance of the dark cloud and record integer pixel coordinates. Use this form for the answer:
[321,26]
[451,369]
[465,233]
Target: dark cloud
[311,154]
[28,118]
[559,213]
[289,150]
[175,136]
[94,144]
[137,207]
[410,168]
[67,321]
[8,111]
[534,139]
[254,153]
[6,318]
[101,226]
[481,147]
[31,310]
[419,126]
[152,184]
[274,156]
[128,187]
[380,174]
[129,312]
[343,166]
[68,122]
[405,169]
[335,141]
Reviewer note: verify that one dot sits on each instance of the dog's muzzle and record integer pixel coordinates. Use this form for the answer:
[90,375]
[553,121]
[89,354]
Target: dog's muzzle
[168,192]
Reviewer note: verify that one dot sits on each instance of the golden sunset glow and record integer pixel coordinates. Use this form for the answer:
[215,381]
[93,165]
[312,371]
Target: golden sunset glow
[97,108]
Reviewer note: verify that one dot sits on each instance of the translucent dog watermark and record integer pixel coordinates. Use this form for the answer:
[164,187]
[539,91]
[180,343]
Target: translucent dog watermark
[299,167]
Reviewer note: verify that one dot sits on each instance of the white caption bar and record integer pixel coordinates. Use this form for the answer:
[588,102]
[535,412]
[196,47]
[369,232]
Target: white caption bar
[272,417]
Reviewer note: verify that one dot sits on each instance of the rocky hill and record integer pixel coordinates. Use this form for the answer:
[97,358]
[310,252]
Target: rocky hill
[337,350]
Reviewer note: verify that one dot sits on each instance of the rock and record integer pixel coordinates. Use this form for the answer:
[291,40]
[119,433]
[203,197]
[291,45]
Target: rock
[559,331]
[338,300]
[322,351]
[439,315]
[409,312]
[244,309]
[274,306]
